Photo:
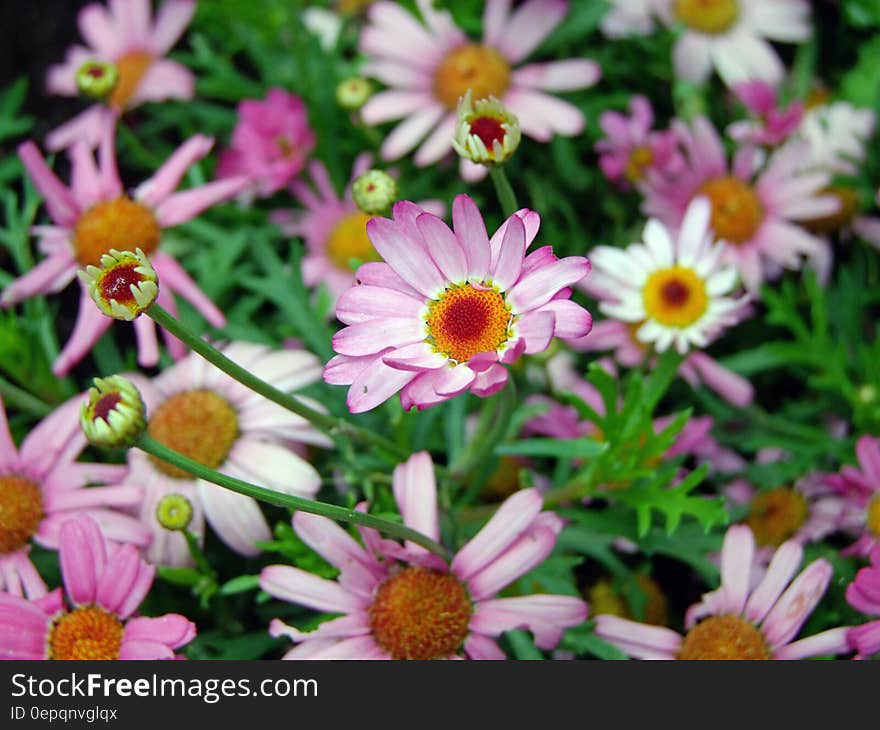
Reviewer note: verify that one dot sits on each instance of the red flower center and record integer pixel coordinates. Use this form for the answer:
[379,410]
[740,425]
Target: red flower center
[466,320]
[88,632]
[105,404]
[488,129]
[21,511]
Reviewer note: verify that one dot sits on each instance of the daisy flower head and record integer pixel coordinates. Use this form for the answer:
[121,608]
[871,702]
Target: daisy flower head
[42,484]
[741,620]
[732,36]
[755,210]
[96,214]
[447,309]
[105,584]
[200,412]
[861,490]
[863,594]
[123,35]
[270,144]
[402,602]
[630,148]
[672,292]
[430,64]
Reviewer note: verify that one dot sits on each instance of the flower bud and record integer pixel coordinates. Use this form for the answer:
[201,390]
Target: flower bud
[174,512]
[374,191]
[487,132]
[115,414]
[124,285]
[96,79]
[353,93]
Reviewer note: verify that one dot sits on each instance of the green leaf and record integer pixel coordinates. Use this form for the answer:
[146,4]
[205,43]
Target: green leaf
[582,448]
[240,584]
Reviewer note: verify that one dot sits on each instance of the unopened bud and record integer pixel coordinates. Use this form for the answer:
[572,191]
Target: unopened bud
[353,93]
[374,191]
[124,285]
[174,512]
[487,132]
[114,414]
[97,79]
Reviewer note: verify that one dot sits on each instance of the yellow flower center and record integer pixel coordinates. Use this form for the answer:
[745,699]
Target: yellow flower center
[420,614]
[466,320]
[132,67]
[21,511]
[349,242]
[707,16]
[849,208]
[675,297]
[122,224]
[199,424]
[777,515]
[473,66]
[88,632]
[736,210]
[640,159]
[724,637]
[872,516]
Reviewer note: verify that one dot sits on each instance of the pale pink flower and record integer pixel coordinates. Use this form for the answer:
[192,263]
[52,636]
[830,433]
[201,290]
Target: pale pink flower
[95,214]
[203,413]
[627,18]
[770,125]
[446,310]
[861,490]
[270,144]
[105,584]
[333,228]
[732,36]
[432,63]
[452,610]
[863,594]
[741,619]
[123,33]
[755,211]
[42,484]
[630,148]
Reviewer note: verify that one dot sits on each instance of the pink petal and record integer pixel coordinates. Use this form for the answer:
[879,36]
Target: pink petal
[415,490]
[538,287]
[235,518]
[144,650]
[568,75]
[546,616]
[482,647]
[471,232]
[526,553]
[171,21]
[443,247]
[508,264]
[797,603]
[364,303]
[83,558]
[737,555]
[172,630]
[59,199]
[781,570]
[375,384]
[406,256]
[530,24]
[833,641]
[641,641]
[571,319]
[184,206]
[298,586]
[164,79]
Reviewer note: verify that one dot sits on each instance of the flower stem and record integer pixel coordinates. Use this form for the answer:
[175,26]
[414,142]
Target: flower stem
[503,189]
[20,398]
[148,444]
[331,425]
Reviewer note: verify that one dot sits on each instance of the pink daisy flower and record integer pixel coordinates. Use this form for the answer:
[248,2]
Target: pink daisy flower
[42,484]
[123,34]
[201,412]
[431,64]
[732,35]
[270,143]
[630,149]
[863,594]
[754,211]
[861,490]
[333,228]
[401,602]
[741,621]
[447,309]
[94,215]
[770,124]
[105,584]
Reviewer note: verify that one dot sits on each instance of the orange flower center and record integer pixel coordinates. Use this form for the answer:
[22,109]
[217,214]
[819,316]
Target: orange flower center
[466,320]
[132,67]
[473,66]
[87,632]
[872,516]
[122,224]
[199,424]
[724,637]
[675,297]
[736,211]
[849,208]
[640,159]
[707,16]
[21,511]
[420,614]
[776,516]
[349,242]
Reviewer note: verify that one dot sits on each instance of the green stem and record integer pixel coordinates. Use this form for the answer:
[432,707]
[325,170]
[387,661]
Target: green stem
[20,398]
[505,193]
[151,446]
[331,425]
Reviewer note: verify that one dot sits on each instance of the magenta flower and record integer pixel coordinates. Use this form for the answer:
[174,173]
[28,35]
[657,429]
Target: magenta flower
[402,602]
[771,125]
[431,64]
[863,594]
[741,621]
[94,215]
[447,309]
[333,228]
[105,584]
[270,143]
[861,490]
[123,34]
[630,148]
[42,485]
[754,211]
